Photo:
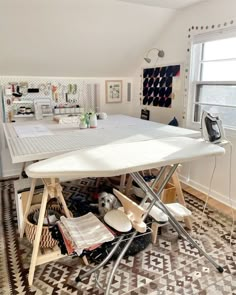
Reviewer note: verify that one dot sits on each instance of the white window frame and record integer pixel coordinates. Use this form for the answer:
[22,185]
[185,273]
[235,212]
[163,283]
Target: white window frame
[194,77]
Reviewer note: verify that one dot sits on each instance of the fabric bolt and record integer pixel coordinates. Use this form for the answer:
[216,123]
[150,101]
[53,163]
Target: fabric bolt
[66,242]
[70,247]
[78,230]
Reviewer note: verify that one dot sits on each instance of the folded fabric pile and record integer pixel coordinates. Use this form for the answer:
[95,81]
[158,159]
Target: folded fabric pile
[76,234]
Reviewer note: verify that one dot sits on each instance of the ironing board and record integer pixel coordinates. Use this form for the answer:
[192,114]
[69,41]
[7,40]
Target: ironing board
[112,160]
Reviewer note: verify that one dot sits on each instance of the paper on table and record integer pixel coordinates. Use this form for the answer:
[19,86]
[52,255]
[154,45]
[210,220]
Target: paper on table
[32,130]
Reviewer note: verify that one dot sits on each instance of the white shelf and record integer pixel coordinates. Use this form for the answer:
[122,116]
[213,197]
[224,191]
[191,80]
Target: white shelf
[22,102]
[23,116]
[47,115]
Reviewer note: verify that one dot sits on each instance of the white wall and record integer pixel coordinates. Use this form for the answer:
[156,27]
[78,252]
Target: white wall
[174,41]
[76,38]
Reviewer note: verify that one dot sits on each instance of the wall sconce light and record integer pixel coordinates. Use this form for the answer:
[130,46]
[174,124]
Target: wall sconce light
[160,53]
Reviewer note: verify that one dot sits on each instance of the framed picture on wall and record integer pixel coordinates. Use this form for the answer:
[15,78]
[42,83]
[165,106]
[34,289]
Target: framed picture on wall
[113,91]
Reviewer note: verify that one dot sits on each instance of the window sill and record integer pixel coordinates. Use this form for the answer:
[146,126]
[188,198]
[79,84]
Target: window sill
[229,132]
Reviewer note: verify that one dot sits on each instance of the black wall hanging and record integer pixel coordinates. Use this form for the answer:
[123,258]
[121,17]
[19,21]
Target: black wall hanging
[157,85]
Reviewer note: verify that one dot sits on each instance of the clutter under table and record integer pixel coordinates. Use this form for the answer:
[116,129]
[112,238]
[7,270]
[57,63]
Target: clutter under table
[111,160]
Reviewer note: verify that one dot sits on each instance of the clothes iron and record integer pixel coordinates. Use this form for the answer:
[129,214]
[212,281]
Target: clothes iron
[212,128]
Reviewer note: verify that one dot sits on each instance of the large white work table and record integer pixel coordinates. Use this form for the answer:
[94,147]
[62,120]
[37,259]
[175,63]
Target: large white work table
[115,129]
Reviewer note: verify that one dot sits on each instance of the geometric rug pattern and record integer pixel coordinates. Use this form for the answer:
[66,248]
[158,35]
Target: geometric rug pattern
[171,266]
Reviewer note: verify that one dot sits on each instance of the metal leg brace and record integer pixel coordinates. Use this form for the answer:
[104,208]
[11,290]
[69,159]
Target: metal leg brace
[155,201]
[81,277]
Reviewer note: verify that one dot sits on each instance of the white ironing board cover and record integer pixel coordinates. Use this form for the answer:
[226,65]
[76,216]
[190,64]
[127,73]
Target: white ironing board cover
[111,160]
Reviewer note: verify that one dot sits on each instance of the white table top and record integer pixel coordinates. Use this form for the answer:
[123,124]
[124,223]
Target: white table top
[111,160]
[115,129]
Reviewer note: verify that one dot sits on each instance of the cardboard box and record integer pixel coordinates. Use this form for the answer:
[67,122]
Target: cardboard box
[169,194]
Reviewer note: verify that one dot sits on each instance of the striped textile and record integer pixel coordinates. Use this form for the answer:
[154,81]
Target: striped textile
[86,231]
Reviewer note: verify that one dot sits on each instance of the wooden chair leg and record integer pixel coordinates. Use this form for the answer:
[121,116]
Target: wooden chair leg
[122,183]
[180,196]
[128,185]
[28,204]
[154,228]
[38,236]
[85,260]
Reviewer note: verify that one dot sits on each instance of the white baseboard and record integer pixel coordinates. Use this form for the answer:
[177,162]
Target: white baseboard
[7,168]
[10,173]
[221,198]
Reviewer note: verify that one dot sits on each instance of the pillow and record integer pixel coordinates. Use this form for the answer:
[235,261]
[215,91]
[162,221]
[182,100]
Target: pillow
[174,122]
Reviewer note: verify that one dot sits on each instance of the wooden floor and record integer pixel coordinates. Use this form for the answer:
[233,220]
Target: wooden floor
[226,209]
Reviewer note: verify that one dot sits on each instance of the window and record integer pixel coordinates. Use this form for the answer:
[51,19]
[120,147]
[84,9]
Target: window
[213,77]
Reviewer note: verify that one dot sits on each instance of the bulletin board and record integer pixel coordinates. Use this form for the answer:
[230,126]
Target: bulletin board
[158,85]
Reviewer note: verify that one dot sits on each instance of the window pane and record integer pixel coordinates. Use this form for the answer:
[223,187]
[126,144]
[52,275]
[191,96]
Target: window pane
[220,49]
[216,94]
[227,115]
[218,71]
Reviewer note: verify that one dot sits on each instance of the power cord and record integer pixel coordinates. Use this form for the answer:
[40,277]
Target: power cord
[208,193]
[229,192]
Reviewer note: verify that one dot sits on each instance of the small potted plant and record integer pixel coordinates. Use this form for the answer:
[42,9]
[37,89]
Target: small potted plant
[83,121]
[88,120]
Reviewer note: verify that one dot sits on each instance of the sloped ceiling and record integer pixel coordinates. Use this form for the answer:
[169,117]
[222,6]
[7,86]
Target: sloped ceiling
[81,38]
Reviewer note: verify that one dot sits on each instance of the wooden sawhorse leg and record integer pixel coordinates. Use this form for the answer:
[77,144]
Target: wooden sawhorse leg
[28,204]
[38,236]
[128,185]
[180,196]
[122,183]
[52,188]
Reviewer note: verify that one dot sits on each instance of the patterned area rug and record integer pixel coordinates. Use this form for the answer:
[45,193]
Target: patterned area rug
[171,266]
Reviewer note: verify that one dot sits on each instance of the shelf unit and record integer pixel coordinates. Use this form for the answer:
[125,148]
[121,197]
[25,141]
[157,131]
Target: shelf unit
[25,103]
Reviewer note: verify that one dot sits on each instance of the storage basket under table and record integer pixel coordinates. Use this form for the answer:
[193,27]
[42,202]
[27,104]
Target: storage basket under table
[30,229]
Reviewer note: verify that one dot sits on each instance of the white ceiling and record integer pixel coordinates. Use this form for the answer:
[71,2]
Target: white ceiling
[173,4]
[80,38]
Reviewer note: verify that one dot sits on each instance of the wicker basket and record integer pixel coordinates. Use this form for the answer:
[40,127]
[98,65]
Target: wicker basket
[30,229]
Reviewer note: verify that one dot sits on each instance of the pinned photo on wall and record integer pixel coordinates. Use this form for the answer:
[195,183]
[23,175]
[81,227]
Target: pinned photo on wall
[158,85]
